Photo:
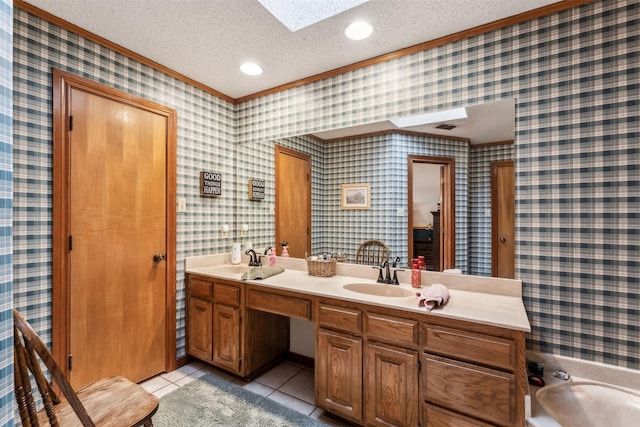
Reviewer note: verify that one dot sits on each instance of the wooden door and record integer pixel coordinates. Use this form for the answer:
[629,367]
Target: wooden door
[503,219]
[293,201]
[226,340]
[200,328]
[338,374]
[391,386]
[114,211]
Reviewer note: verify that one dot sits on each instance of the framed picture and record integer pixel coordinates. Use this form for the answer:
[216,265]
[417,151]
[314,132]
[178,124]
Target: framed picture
[355,196]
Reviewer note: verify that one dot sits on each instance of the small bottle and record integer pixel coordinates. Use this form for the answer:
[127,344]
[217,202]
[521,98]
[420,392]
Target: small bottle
[272,257]
[415,276]
[285,249]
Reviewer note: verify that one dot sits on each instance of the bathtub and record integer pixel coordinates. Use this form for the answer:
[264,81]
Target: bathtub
[590,403]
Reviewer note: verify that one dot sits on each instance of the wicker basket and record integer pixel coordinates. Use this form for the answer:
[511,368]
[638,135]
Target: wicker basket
[322,268]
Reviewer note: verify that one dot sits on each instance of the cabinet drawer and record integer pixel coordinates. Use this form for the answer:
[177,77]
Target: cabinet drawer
[392,329]
[285,305]
[478,348]
[479,392]
[200,288]
[341,318]
[438,417]
[226,294]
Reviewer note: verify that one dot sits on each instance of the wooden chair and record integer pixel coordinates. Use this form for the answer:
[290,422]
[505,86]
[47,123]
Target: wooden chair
[372,252]
[113,401]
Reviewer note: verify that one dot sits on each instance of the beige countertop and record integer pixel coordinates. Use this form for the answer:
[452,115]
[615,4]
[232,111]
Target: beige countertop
[484,300]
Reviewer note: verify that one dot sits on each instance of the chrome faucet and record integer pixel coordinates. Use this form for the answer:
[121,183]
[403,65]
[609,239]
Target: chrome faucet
[253,258]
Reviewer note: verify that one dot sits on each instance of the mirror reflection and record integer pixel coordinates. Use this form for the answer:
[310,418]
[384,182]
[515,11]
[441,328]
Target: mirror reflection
[377,155]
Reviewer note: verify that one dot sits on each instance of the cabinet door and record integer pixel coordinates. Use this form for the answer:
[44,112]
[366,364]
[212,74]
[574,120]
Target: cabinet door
[226,340]
[199,324]
[391,386]
[339,374]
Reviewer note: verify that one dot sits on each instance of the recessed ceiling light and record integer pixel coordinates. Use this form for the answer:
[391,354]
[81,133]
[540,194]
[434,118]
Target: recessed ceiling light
[358,30]
[251,69]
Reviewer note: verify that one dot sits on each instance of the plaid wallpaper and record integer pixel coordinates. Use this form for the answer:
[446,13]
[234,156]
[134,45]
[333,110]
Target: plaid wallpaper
[6,215]
[575,79]
[205,142]
[479,201]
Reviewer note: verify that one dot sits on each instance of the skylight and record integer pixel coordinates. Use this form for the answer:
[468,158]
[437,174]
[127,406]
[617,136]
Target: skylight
[298,14]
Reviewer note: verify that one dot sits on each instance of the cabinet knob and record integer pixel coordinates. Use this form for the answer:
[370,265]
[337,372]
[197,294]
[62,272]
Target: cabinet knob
[503,239]
[159,257]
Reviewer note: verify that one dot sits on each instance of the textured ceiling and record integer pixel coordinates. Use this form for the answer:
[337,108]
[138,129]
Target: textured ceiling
[490,122]
[207,40]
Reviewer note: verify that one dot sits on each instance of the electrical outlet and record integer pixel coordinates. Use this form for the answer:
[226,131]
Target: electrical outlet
[182,205]
[400,212]
[487,213]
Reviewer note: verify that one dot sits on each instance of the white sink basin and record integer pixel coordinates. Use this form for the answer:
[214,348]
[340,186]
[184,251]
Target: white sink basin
[232,269]
[379,289]
[587,404]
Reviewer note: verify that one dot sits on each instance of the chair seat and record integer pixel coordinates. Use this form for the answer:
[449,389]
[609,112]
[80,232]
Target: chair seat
[113,402]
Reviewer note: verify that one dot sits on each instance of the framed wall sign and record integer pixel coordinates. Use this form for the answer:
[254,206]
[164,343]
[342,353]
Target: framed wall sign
[355,196]
[256,189]
[210,184]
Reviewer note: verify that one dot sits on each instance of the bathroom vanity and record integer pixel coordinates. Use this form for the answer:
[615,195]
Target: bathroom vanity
[379,359]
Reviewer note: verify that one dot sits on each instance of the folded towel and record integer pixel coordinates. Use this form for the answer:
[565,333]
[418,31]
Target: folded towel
[433,296]
[262,272]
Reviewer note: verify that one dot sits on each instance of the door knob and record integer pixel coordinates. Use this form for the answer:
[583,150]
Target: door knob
[502,240]
[159,257]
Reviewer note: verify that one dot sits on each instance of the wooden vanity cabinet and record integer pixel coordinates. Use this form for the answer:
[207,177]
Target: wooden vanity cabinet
[472,375]
[222,331]
[366,365]
[374,366]
[338,374]
[200,319]
[338,361]
[213,322]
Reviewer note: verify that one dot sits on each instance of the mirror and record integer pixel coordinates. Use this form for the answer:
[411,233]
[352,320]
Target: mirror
[377,155]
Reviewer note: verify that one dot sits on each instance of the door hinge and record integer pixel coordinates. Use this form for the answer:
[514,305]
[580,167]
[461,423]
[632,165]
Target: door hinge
[70,243]
[240,319]
[240,364]
[419,366]
[70,362]
[70,123]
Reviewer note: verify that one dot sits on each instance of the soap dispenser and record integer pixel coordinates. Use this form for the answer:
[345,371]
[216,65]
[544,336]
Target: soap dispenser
[272,257]
[285,248]
[236,253]
[415,275]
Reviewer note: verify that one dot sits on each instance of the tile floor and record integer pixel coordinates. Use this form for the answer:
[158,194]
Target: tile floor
[288,384]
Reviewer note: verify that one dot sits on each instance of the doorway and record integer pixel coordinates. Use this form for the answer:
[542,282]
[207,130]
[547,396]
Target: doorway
[293,201]
[114,237]
[431,231]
